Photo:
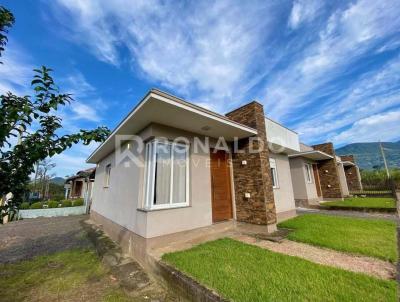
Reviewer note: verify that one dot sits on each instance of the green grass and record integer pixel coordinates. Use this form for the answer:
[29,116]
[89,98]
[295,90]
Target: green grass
[66,276]
[370,237]
[242,272]
[363,202]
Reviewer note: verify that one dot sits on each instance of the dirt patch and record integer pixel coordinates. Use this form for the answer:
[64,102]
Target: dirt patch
[25,239]
[359,264]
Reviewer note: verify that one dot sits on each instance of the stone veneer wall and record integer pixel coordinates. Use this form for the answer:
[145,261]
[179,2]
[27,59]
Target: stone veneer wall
[328,173]
[352,174]
[254,177]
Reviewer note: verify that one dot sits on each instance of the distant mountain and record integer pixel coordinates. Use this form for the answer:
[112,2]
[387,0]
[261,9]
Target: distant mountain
[58,180]
[368,155]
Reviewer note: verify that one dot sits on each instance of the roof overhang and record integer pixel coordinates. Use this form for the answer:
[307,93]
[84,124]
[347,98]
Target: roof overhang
[277,148]
[348,163]
[162,108]
[313,155]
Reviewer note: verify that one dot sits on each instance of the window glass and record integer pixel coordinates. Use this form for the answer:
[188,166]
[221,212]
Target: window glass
[274,173]
[179,174]
[162,174]
[308,173]
[166,172]
[107,175]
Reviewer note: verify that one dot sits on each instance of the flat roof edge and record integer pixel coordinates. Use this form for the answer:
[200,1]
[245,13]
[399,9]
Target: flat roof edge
[158,94]
[310,152]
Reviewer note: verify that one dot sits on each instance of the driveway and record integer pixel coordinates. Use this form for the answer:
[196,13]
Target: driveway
[28,238]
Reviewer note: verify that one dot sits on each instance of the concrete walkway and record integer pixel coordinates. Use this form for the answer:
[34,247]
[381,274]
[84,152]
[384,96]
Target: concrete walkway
[347,213]
[359,264]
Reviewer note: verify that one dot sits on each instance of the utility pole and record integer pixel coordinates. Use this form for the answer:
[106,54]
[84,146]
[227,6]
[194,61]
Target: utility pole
[384,160]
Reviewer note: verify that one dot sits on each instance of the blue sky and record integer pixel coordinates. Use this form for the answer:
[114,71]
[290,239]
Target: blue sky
[328,69]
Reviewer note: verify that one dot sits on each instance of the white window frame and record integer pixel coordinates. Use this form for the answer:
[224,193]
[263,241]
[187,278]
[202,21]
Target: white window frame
[274,173]
[150,175]
[309,173]
[107,176]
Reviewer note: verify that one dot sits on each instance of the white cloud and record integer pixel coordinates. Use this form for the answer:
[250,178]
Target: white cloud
[375,92]
[69,163]
[379,127]
[218,53]
[86,105]
[77,85]
[303,11]
[85,112]
[16,71]
[205,47]
[348,35]
[74,159]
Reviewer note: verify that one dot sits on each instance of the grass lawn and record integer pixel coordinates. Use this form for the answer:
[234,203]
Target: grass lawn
[74,275]
[363,202]
[242,272]
[370,237]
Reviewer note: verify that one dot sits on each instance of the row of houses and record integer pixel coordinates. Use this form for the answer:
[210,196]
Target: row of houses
[169,184]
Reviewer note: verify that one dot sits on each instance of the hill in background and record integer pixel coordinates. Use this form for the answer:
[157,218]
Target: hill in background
[58,181]
[368,155]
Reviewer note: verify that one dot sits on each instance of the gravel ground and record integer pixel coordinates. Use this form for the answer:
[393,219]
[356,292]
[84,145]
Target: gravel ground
[25,239]
[348,213]
[359,264]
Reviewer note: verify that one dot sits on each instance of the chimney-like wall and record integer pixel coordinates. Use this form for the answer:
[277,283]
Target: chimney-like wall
[328,173]
[353,177]
[253,177]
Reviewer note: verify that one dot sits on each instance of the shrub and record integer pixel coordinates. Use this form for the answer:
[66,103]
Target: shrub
[36,205]
[66,203]
[25,205]
[78,202]
[58,197]
[52,204]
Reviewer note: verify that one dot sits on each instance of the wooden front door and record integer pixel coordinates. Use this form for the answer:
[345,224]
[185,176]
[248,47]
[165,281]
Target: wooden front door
[220,186]
[316,177]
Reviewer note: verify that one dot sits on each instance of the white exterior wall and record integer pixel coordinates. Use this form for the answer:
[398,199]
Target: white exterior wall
[301,189]
[342,180]
[278,134]
[283,195]
[123,200]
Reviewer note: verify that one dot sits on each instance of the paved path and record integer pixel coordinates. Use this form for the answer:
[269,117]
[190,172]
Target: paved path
[25,239]
[348,213]
[367,265]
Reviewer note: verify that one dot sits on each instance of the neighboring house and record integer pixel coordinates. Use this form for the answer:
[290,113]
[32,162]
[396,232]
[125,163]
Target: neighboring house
[319,174]
[282,143]
[211,174]
[80,185]
[352,173]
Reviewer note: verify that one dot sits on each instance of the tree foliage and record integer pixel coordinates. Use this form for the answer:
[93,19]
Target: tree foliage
[33,121]
[6,21]
[378,178]
[30,130]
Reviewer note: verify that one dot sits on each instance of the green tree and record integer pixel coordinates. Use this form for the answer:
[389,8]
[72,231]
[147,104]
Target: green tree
[6,21]
[34,122]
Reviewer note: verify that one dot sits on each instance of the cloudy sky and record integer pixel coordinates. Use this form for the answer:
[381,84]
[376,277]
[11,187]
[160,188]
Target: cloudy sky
[328,69]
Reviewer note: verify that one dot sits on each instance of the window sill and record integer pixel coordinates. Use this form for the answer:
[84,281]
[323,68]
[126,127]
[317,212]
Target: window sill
[162,209]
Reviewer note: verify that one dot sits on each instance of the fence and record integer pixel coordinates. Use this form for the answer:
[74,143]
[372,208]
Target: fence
[55,212]
[385,188]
